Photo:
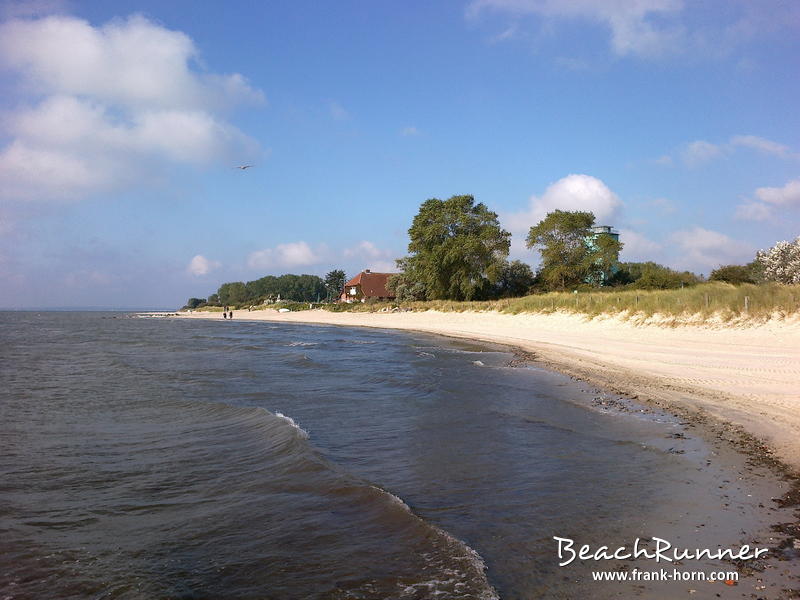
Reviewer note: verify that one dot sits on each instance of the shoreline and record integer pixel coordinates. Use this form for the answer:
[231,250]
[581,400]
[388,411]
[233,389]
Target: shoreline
[734,448]
[747,380]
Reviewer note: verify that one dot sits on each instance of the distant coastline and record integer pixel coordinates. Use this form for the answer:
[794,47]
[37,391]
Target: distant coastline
[85,309]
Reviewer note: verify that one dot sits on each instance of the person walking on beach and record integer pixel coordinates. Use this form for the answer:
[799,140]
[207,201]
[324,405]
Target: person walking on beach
[230,315]
[224,314]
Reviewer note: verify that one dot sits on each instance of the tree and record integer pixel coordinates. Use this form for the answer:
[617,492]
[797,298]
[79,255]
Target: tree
[232,293]
[781,263]
[457,249]
[571,253]
[650,275]
[402,286]
[301,288]
[193,303]
[734,274]
[516,279]
[334,283]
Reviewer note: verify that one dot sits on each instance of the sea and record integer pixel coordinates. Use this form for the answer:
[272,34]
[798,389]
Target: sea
[168,458]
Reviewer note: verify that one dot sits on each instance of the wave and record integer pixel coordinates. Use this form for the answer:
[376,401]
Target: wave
[451,570]
[300,431]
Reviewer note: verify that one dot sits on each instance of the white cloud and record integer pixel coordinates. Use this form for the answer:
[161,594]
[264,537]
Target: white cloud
[573,192]
[761,144]
[637,28]
[768,201]
[365,248]
[653,28]
[106,107]
[753,211]
[788,195]
[293,254]
[701,248]
[131,62]
[699,152]
[16,9]
[637,247]
[200,265]
[410,131]
[370,256]
[506,34]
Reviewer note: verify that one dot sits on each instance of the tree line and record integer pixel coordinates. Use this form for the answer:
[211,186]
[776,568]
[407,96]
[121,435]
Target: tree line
[271,288]
[457,250]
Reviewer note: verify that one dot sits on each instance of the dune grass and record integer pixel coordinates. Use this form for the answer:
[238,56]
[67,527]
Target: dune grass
[705,302]
[710,300]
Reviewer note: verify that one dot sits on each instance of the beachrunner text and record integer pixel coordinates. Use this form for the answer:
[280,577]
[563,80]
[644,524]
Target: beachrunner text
[663,551]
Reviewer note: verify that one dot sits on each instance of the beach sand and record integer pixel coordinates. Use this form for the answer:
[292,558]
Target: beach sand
[748,377]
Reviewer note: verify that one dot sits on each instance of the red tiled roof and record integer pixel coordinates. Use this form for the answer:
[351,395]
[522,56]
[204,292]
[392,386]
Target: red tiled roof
[373,285]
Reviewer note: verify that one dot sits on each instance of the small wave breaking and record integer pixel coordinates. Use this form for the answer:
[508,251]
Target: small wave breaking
[300,431]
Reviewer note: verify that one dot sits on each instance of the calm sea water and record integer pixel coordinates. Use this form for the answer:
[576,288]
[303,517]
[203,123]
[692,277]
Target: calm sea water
[167,458]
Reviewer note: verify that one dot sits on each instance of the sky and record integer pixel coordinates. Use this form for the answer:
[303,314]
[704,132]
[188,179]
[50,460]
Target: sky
[122,123]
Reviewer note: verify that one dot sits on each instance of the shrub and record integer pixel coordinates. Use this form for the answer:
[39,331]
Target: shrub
[781,263]
[735,274]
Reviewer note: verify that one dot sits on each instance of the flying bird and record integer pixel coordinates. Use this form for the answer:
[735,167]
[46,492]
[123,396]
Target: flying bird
[243,167]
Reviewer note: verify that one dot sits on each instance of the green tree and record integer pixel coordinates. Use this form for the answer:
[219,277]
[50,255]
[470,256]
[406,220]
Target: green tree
[756,269]
[571,253]
[457,249]
[650,275]
[516,279]
[232,293]
[334,283]
[193,303]
[734,274]
[404,289]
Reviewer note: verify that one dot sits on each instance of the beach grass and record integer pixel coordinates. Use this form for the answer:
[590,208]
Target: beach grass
[714,301]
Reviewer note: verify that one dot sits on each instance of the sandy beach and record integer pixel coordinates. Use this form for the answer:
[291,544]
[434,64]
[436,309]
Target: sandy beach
[745,376]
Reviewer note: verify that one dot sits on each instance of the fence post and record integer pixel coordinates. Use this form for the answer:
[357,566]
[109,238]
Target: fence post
[637,299]
[746,303]
[706,300]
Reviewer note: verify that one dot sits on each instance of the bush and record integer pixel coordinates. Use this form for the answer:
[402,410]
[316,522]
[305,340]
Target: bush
[735,274]
[193,303]
[652,276]
[781,263]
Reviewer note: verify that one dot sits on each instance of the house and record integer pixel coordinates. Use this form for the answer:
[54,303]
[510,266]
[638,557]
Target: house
[367,286]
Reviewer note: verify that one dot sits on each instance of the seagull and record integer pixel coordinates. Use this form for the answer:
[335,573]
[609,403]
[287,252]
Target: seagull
[243,167]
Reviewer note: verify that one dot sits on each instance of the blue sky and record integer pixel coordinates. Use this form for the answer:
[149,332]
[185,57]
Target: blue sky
[121,124]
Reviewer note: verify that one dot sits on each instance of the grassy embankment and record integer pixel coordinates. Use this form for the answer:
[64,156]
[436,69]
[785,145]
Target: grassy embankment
[706,302]
[700,303]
